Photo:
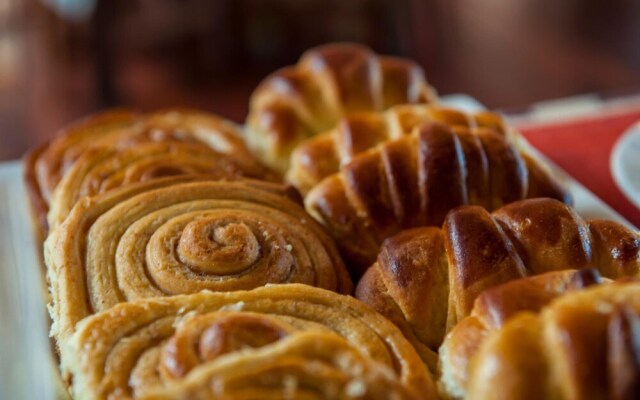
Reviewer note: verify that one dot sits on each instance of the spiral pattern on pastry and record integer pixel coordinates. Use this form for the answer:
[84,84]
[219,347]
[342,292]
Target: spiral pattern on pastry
[102,168]
[320,156]
[416,180]
[280,341]
[165,237]
[122,129]
[427,279]
[584,345]
[328,83]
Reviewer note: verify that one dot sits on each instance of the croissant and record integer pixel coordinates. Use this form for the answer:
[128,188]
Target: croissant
[281,341]
[120,130]
[181,235]
[328,83]
[493,308]
[584,345]
[320,156]
[426,279]
[415,180]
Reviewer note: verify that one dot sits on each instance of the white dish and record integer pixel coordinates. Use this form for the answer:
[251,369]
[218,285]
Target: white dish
[26,369]
[625,164]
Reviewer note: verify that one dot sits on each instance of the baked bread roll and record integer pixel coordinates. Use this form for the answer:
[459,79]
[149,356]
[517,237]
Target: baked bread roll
[166,237]
[281,341]
[493,308]
[320,156]
[120,130]
[584,345]
[328,83]
[102,168]
[45,165]
[427,279]
[415,180]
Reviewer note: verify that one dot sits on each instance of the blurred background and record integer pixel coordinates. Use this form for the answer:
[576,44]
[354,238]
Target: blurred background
[62,59]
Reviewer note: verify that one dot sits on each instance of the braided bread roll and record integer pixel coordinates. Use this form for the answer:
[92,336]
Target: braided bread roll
[328,83]
[320,156]
[122,131]
[584,345]
[166,237]
[427,279]
[415,180]
[281,341]
[493,308]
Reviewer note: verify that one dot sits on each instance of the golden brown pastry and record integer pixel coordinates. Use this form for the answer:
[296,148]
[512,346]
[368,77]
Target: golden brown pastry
[167,237]
[120,130]
[320,156]
[584,345]
[328,83]
[427,279]
[102,168]
[278,342]
[415,180]
[493,308]
[45,165]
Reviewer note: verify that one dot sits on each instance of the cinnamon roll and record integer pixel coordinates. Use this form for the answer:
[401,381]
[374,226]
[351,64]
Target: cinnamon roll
[166,237]
[103,168]
[125,131]
[282,341]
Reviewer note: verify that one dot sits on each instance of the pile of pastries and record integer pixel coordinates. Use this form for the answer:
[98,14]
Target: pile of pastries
[353,240]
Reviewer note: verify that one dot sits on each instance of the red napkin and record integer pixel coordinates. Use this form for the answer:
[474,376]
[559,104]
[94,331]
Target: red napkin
[582,147]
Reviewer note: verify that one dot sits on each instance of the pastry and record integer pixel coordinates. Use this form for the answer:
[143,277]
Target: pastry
[329,82]
[281,341]
[181,235]
[415,180]
[120,130]
[102,168]
[493,308]
[584,345]
[426,279]
[45,165]
[320,156]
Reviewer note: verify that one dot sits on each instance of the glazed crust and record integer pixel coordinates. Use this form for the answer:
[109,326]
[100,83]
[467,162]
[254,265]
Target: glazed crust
[584,345]
[320,156]
[329,82]
[493,308]
[427,279]
[415,181]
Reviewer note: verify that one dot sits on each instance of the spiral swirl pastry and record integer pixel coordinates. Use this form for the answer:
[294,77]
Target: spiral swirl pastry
[415,180]
[103,168]
[584,345]
[120,130]
[320,156]
[168,236]
[281,341]
[427,279]
[328,83]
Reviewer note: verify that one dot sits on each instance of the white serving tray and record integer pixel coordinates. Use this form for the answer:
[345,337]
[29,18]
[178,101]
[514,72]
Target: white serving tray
[625,164]
[25,360]
[25,356]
